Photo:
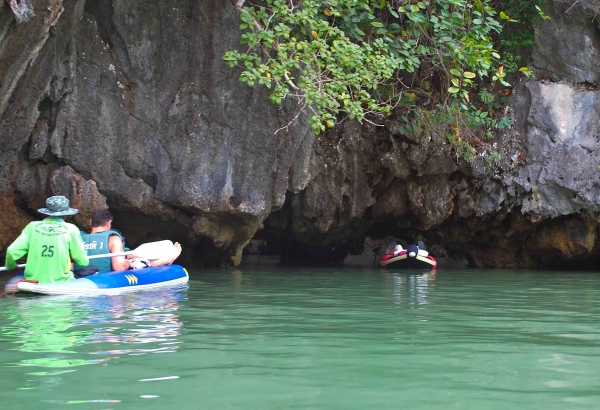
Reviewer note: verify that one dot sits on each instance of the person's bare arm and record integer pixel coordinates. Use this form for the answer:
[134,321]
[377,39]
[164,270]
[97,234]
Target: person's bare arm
[118,263]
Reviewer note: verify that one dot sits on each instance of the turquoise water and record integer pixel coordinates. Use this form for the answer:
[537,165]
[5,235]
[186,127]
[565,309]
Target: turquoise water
[311,339]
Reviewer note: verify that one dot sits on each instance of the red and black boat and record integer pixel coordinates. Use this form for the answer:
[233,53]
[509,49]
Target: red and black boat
[412,258]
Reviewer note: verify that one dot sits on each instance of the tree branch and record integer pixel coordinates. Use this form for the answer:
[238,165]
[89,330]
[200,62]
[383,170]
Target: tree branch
[239,8]
[572,5]
[290,82]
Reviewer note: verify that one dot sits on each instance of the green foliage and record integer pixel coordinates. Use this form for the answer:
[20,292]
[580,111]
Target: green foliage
[504,122]
[524,14]
[466,151]
[351,58]
[432,62]
[493,159]
[519,18]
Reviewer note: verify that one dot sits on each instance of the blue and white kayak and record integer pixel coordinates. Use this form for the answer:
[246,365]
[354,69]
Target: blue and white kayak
[109,283]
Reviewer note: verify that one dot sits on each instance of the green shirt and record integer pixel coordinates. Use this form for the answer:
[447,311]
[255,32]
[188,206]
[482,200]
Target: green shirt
[50,245]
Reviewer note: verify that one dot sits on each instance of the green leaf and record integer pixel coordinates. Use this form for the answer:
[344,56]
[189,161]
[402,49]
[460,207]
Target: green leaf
[342,72]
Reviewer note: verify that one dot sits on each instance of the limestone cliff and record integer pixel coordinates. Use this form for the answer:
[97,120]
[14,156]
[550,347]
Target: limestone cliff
[128,104]
[537,208]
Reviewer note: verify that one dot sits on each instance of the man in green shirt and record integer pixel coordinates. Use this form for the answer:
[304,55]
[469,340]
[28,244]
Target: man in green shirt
[50,245]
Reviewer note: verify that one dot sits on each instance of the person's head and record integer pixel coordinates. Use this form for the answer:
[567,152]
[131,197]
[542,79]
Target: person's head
[57,206]
[100,217]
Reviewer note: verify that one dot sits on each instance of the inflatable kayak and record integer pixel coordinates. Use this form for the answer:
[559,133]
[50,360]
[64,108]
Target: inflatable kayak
[109,283]
[408,260]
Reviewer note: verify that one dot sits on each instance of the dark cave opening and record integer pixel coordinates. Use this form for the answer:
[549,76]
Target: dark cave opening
[507,241]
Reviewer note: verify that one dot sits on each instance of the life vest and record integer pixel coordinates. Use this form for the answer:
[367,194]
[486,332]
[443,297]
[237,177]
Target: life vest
[97,244]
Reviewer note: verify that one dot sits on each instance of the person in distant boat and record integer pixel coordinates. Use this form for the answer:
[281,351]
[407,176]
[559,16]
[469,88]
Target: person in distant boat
[419,248]
[420,241]
[103,239]
[414,250]
[398,249]
[50,245]
[394,248]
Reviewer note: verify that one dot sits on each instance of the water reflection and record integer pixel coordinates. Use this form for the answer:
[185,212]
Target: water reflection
[66,332]
[138,325]
[409,287]
[42,325]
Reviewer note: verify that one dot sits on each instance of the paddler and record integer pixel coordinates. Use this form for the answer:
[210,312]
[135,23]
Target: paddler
[50,245]
[102,237]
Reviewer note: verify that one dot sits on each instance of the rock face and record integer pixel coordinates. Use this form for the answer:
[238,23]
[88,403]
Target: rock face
[131,102]
[128,104]
[567,46]
[538,207]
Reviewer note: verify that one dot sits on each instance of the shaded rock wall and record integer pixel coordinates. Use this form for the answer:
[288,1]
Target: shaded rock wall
[133,99]
[128,104]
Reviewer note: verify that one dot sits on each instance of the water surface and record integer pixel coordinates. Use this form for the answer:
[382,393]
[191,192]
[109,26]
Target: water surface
[276,338]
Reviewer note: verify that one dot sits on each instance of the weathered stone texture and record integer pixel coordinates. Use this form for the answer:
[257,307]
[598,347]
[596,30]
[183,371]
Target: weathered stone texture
[128,104]
[518,213]
[134,97]
[567,46]
[563,140]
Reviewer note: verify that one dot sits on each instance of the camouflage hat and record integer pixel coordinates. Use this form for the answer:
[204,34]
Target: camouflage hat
[57,206]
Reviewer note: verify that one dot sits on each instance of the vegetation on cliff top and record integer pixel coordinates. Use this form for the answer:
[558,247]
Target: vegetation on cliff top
[432,61]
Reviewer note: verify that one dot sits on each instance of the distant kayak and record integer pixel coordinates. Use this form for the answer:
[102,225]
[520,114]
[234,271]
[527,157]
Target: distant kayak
[404,261]
[109,283]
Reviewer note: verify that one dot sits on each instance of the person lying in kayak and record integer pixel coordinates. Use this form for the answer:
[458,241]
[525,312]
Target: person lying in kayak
[103,239]
[395,249]
[50,245]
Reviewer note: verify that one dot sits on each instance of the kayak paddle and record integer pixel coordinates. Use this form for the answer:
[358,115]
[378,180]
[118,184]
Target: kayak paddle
[150,251]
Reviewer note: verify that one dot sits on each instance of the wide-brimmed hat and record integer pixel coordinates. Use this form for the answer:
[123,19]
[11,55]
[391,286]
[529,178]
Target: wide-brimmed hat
[57,206]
